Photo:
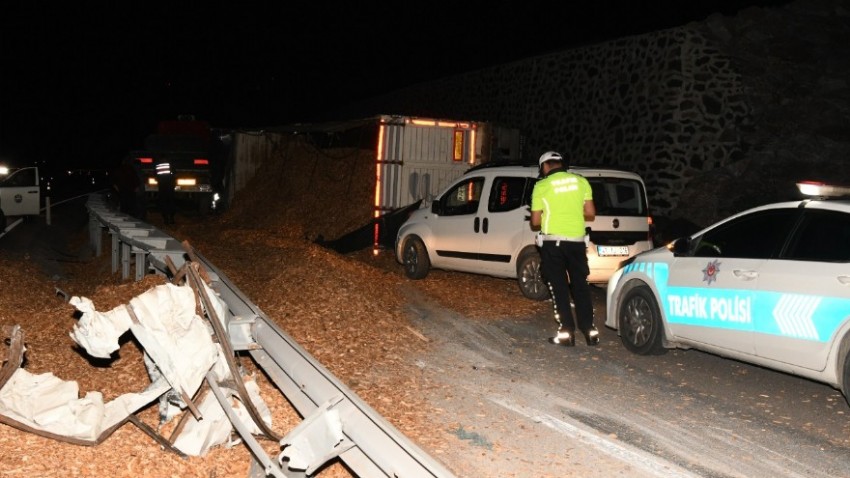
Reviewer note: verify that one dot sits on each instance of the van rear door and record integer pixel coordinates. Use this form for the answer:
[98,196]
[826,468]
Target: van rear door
[621,228]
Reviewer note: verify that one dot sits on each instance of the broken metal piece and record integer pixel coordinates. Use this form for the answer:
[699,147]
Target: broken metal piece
[269,467]
[316,440]
[13,357]
[156,436]
[229,355]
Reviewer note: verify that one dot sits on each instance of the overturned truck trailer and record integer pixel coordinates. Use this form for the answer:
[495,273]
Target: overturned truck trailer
[410,160]
[214,323]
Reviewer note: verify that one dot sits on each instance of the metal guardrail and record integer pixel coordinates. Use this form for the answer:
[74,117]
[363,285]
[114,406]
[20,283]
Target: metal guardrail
[337,423]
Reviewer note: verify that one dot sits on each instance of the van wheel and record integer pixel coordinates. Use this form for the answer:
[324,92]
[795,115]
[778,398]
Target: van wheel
[415,256]
[639,322]
[529,278]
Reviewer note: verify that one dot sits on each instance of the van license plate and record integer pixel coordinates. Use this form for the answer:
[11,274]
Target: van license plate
[612,250]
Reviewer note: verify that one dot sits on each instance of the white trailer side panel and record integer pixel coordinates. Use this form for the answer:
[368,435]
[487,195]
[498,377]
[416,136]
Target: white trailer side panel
[418,161]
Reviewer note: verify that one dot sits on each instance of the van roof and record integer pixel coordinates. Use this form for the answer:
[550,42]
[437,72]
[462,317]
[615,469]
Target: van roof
[526,168]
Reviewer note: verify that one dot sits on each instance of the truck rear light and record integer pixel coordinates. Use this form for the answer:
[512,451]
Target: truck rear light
[146,160]
[186,182]
[201,162]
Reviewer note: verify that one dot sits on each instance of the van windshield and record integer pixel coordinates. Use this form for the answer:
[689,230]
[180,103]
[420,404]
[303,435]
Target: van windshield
[618,197]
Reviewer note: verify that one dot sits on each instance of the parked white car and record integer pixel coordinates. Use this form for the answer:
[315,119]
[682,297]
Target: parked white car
[768,286]
[480,224]
[20,194]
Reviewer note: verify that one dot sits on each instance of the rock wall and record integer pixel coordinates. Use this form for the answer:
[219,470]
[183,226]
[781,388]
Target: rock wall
[699,111]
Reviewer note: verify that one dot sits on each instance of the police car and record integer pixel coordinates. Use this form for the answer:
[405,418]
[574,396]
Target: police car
[768,286]
[480,224]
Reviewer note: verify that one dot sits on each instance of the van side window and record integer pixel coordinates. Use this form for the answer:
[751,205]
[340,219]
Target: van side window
[506,194]
[463,198]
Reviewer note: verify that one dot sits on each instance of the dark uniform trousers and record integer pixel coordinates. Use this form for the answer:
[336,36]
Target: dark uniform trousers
[569,256]
[166,197]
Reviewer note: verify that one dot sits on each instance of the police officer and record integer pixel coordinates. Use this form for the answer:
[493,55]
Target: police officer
[165,190]
[561,203]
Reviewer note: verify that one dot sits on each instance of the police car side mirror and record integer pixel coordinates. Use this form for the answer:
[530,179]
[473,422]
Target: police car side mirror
[680,246]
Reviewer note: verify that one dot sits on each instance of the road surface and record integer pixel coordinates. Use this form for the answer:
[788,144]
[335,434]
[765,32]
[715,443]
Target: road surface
[523,407]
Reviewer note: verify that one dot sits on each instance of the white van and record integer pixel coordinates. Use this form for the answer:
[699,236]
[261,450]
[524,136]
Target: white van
[480,224]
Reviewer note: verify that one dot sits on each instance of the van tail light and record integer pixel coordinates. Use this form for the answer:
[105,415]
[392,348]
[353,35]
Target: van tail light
[650,231]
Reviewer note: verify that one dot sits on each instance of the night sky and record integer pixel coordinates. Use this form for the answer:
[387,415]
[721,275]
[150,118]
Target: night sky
[83,82]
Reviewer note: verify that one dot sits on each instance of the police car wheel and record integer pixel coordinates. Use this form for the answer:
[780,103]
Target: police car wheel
[529,278]
[639,322]
[415,256]
[845,382]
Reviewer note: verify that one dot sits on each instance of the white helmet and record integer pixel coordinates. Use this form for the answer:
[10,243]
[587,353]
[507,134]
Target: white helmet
[550,156]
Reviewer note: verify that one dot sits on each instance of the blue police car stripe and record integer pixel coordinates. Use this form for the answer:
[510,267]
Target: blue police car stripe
[715,308]
[797,316]
[800,316]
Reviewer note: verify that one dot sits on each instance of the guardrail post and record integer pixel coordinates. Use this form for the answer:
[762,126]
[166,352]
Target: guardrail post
[116,244]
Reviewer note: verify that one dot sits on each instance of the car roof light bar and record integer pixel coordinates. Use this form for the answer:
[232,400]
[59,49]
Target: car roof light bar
[819,189]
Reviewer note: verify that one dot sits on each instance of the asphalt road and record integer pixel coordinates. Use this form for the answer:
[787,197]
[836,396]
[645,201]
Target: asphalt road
[46,239]
[523,407]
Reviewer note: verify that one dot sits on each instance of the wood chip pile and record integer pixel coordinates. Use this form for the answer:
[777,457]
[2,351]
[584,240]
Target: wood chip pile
[348,311]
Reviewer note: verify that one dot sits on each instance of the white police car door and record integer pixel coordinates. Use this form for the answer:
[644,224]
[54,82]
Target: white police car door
[505,223]
[712,292]
[456,232]
[804,297]
[20,193]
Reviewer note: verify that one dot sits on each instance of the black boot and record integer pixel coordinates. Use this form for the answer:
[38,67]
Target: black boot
[565,337]
[591,335]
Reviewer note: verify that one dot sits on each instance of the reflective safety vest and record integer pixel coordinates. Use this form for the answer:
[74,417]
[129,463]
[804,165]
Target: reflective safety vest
[561,196]
[163,168]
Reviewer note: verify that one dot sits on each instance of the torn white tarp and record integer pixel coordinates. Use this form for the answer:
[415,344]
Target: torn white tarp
[179,352]
[98,332]
[44,402]
[198,437]
[172,334]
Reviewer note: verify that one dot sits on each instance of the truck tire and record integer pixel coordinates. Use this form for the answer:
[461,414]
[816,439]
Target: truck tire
[529,278]
[415,257]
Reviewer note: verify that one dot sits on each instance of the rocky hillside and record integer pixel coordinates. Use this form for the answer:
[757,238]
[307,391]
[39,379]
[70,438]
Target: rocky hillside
[717,115]
[795,71]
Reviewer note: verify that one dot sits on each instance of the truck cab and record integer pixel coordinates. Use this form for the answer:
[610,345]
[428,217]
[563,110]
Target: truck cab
[20,194]
[187,145]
